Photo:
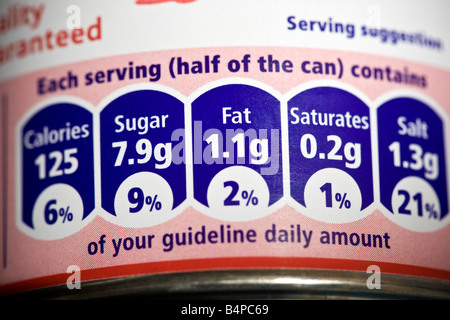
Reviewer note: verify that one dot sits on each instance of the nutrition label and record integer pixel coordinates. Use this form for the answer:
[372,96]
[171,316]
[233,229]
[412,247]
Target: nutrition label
[412,163]
[330,152]
[237,154]
[143,170]
[57,172]
[240,151]
[291,136]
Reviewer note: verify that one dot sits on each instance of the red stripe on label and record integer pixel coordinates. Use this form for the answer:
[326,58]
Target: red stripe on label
[224,264]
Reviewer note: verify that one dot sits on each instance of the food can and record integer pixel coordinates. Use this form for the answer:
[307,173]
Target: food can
[224,148]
